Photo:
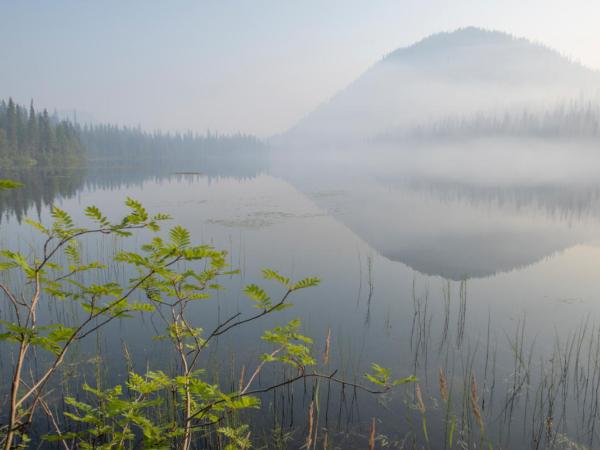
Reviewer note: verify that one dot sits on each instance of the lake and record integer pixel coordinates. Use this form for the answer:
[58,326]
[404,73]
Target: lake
[491,272]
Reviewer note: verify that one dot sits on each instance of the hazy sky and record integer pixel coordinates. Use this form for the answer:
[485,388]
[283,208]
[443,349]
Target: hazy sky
[255,66]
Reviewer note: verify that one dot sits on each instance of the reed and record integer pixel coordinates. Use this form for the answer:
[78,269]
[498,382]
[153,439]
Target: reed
[311,418]
[443,385]
[474,398]
[372,435]
[422,410]
[327,348]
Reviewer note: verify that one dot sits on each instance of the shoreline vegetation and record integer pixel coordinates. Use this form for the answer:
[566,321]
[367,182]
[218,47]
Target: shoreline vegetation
[566,120]
[30,138]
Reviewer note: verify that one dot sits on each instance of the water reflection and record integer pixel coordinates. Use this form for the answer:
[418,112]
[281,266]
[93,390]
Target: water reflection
[453,229]
[352,228]
[457,229]
[42,187]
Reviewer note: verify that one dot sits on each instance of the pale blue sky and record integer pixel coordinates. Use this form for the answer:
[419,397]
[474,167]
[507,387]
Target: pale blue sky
[255,66]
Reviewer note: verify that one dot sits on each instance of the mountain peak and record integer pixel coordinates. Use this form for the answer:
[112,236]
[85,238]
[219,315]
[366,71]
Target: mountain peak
[461,38]
[450,74]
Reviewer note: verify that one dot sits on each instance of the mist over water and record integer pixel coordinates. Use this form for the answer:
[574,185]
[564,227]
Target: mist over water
[449,199]
[453,81]
[432,251]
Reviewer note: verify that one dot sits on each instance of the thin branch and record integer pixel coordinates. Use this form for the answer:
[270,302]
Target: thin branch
[224,327]
[40,383]
[301,376]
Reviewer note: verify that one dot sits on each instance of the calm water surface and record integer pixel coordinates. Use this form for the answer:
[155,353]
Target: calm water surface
[499,279]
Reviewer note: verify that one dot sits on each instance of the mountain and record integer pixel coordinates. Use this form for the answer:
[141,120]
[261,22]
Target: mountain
[459,73]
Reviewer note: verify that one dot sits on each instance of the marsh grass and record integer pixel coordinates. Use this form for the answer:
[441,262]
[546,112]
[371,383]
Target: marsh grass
[537,397]
[528,395]
[495,389]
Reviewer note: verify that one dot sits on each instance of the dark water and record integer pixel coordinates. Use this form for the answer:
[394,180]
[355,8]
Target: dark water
[485,276]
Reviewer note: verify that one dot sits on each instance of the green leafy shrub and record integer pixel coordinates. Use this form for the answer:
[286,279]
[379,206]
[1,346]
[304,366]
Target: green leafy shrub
[152,409]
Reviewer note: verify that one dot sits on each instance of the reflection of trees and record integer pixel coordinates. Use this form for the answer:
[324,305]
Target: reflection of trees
[560,201]
[43,187]
[457,229]
[40,188]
